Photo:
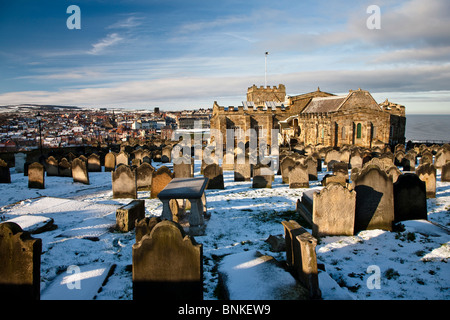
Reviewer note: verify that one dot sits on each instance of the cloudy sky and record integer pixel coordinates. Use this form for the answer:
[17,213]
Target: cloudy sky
[190,53]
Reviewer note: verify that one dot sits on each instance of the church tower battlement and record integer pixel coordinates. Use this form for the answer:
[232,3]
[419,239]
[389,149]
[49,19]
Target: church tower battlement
[259,95]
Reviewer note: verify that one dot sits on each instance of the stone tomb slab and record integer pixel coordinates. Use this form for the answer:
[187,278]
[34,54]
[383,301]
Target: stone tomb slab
[249,275]
[78,282]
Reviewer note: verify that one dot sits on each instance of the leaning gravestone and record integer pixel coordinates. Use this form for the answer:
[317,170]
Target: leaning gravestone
[445,172]
[160,180]
[144,176]
[5,176]
[214,173]
[36,176]
[427,173]
[124,182]
[167,264]
[19,161]
[334,211]
[410,198]
[374,199]
[183,169]
[20,263]
[79,171]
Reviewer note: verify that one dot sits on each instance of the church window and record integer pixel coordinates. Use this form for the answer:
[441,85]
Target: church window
[358,131]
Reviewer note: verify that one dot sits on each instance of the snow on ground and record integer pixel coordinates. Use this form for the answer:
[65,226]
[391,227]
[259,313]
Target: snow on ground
[411,263]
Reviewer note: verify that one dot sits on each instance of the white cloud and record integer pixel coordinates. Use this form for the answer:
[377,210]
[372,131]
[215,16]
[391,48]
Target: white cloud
[110,40]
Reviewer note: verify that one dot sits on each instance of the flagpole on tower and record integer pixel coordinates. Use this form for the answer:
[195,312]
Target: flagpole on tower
[265,70]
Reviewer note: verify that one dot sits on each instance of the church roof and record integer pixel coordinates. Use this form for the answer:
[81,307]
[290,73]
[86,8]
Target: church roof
[324,104]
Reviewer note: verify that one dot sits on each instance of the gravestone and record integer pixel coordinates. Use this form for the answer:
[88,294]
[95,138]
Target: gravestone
[110,162]
[51,166]
[124,182]
[340,169]
[262,176]
[19,161]
[410,198]
[160,180]
[79,170]
[356,160]
[427,173]
[127,215]
[311,163]
[20,264]
[332,155]
[301,256]
[65,168]
[214,173]
[36,176]
[144,176]
[298,176]
[442,157]
[242,171]
[408,162]
[445,172]
[166,154]
[394,173]
[145,226]
[374,199]
[167,264]
[94,163]
[183,169]
[285,167]
[333,211]
[122,158]
[427,157]
[5,175]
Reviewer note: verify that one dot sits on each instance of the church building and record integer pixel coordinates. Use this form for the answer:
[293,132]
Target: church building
[316,118]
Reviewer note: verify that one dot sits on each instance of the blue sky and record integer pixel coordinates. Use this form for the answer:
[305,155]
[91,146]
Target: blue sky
[188,54]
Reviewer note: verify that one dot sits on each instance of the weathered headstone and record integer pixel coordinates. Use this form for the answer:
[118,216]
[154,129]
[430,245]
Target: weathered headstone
[242,171]
[127,215]
[124,182]
[262,176]
[65,168]
[79,170]
[122,158]
[311,163]
[36,176]
[183,169]
[298,176]
[445,172]
[393,172]
[19,161]
[144,176]
[410,198]
[110,162]
[160,180]
[374,199]
[166,154]
[301,256]
[167,264]
[333,211]
[94,163]
[20,263]
[145,226]
[51,166]
[442,157]
[427,173]
[285,166]
[215,175]
[5,175]
[426,157]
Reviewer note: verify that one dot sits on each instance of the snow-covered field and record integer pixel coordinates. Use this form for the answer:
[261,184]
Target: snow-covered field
[411,264]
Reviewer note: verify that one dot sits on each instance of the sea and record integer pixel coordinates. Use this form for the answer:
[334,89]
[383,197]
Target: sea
[428,127]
